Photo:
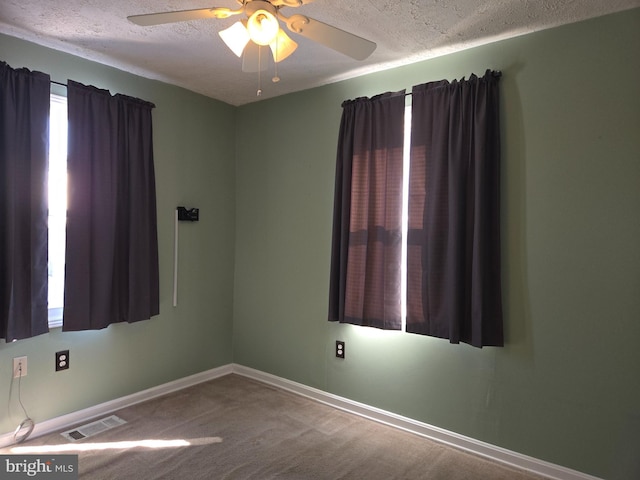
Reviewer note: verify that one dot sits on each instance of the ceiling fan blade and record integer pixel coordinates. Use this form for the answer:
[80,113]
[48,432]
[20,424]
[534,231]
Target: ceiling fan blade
[329,36]
[149,19]
[255,58]
[289,3]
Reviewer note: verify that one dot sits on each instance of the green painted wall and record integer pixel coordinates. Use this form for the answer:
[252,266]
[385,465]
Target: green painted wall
[566,388]
[194,157]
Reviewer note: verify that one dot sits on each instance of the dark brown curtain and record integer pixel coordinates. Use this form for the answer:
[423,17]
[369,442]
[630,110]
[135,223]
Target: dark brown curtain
[112,248]
[24,158]
[367,219]
[453,284]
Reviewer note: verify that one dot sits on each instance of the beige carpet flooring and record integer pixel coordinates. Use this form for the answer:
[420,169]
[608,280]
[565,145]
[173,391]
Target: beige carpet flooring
[236,428]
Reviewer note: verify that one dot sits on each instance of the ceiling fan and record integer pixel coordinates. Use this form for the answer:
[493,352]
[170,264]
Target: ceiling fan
[261,27]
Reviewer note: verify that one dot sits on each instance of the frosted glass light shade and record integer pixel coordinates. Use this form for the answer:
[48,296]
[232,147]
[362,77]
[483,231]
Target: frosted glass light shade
[236,37]
[282,46]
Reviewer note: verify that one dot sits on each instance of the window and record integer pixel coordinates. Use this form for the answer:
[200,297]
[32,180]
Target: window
[449,241]
[47,220]
[57,206]
[406,149]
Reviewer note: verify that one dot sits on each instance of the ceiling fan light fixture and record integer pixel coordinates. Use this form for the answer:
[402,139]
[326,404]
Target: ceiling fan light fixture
[236,37]
[263,27]
[282,46]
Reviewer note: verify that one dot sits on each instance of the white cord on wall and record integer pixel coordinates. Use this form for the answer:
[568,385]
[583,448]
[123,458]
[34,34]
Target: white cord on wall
[27,425]
[175,261]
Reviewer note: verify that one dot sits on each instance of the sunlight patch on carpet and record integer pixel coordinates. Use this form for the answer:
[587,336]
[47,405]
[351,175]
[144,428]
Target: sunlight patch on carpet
[124,445]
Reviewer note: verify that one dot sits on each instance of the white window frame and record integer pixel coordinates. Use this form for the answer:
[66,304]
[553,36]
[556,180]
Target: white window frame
[405,211]
[57,202]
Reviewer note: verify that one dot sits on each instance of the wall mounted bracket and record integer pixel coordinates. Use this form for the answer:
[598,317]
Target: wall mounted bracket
[188,214]
[183,214]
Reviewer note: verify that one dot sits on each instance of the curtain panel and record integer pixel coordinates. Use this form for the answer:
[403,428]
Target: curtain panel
[24,157]
[111,262]
[367,221]
[453,278]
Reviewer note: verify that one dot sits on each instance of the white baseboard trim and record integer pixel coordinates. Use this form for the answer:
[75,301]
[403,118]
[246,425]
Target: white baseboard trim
[81,416]
[453,439]
[477,447]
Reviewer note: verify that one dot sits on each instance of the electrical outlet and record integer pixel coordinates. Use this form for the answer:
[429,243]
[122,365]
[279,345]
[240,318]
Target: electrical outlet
[339,349]
[19,367]
[62,360]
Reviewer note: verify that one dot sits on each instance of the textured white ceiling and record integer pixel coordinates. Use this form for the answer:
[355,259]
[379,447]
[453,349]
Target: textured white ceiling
[192,55]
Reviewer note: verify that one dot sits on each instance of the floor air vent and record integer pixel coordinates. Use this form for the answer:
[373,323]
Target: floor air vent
[93,428]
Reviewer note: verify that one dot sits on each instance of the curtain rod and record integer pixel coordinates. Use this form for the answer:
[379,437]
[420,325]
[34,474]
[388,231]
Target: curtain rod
[495,73]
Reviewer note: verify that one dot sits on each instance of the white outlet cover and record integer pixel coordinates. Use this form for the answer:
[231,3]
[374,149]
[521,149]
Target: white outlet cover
[16,367]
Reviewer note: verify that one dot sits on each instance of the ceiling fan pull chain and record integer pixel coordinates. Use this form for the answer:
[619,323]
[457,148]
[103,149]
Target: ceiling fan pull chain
[275,78]
[259,92]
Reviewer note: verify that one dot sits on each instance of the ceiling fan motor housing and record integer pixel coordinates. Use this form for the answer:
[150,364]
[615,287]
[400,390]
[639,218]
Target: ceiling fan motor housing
[255,5]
